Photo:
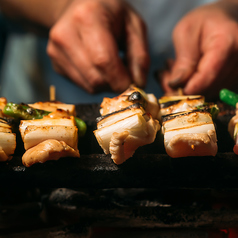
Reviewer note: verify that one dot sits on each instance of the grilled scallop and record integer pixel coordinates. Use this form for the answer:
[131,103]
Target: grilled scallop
[189,134]
[122,132]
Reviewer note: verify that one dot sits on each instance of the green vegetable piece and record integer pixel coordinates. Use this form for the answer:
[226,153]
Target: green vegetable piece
[213,109]
[82,127]
[23,111]
[229,97]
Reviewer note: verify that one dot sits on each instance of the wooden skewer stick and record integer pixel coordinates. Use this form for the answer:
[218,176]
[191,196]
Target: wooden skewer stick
[52,93]
[180,91]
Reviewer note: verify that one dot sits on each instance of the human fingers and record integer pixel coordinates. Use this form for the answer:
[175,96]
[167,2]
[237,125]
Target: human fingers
[90,45]
[70,59]
[90,79]
[137,48]
[186,38]
[63,66]
[101,47]
[213,67]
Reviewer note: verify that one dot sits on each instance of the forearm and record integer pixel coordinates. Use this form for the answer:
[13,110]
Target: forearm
[39,13]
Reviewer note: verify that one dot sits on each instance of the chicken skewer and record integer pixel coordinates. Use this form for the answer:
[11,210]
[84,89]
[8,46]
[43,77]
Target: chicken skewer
[7,137]
[122,132]
[7,141]
[49,139]
[187,125]
[189,133]
[47,135]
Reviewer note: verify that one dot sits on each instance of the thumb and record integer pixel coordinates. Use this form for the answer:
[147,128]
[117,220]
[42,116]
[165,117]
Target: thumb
[187,50]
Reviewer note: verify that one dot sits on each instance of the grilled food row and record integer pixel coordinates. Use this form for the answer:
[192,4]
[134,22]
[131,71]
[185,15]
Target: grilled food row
[50,130]
[134,119]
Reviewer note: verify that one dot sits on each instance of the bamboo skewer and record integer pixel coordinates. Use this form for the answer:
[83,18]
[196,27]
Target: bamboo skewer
[52,93]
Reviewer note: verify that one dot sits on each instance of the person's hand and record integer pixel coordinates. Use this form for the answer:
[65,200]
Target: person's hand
[206,46]
[84,45]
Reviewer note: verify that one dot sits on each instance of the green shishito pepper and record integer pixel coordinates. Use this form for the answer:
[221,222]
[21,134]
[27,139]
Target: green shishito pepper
[82,127]
[214,110]
[25,112]
[228,97]
[211,108]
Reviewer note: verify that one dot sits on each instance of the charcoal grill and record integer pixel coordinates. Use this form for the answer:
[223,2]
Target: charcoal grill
[87,195]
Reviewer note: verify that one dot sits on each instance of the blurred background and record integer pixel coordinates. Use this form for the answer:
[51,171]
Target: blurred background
[26,71]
